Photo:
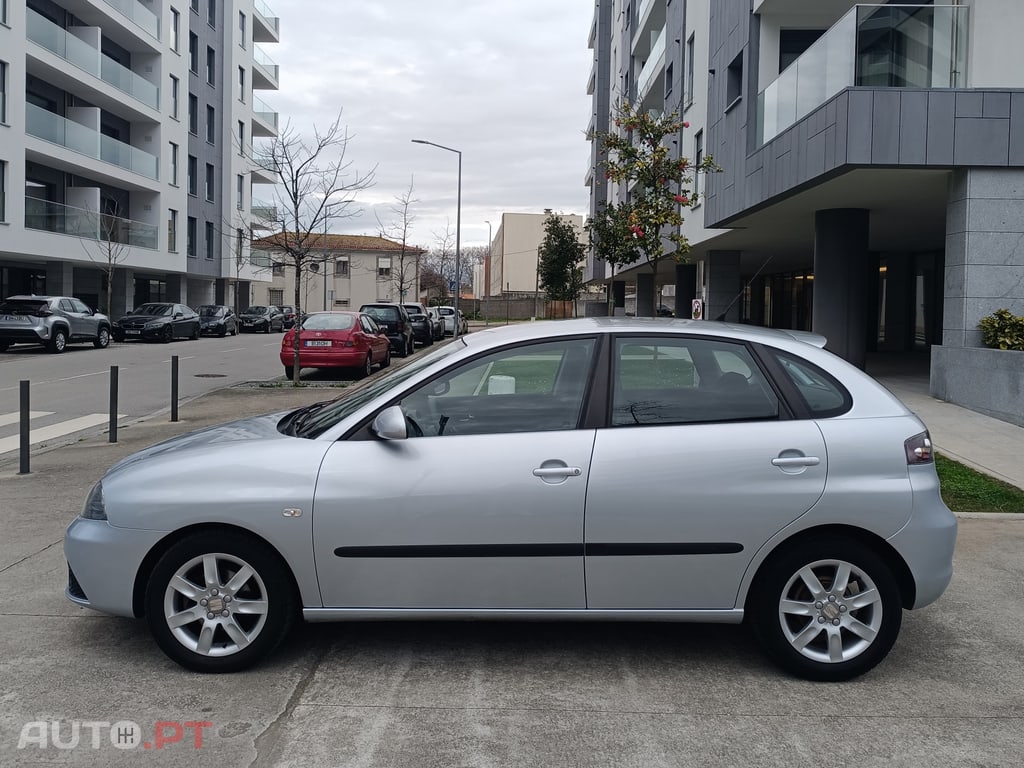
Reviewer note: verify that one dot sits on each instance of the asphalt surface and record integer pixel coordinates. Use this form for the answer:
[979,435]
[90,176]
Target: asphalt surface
[477,694]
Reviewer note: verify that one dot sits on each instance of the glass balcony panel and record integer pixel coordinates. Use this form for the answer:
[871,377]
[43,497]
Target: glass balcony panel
[47,216]
[142,16]
[127,81]
[261,58]
[263,111]
[652,66]
[266,15]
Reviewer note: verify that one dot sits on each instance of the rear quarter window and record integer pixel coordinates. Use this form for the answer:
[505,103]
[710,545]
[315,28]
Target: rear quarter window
[821,393]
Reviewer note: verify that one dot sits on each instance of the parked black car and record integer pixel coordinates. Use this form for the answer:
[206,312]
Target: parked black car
[394,319]
[158,321]
[217,320]
[53,321]
[262,319]
[422,324]
[289,315]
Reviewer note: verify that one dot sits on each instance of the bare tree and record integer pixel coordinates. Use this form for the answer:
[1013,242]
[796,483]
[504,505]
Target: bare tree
[315,186]
[440,260]
[405,265]
[106,239]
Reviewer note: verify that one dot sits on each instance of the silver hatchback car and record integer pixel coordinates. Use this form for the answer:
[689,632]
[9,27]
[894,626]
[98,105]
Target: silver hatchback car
[657,469]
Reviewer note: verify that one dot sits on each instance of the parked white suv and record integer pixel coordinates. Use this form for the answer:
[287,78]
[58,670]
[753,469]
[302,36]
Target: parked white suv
[448,317]
[53,321]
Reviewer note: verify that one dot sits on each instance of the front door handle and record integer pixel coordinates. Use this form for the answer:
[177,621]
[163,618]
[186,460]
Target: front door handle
[793,462]
[557,472]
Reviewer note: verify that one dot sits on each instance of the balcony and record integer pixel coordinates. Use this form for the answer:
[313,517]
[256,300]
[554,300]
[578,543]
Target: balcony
[264,119]
[266,27]
[138,13]
[879,46]
[79,138]
[80,54]
[654,66]
[47,216]
[264,71]
[266,213]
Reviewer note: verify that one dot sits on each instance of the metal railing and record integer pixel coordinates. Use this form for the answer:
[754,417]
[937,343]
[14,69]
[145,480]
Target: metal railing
[47,216]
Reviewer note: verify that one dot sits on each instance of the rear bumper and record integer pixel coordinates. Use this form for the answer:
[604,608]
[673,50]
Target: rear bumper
[344,357]
[28,335]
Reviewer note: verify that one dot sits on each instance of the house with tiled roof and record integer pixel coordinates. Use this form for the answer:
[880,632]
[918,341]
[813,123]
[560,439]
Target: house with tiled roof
[344,271]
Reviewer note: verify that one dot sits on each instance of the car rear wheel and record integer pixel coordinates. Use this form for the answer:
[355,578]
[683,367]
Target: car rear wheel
[102,340]
[387,358]
[411,348]
[367,367]
[58,341]
[289,372]
[219,602]
[828,609]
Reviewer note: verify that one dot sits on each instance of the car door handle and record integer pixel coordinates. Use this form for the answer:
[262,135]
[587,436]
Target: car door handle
[557,472]
[787,462]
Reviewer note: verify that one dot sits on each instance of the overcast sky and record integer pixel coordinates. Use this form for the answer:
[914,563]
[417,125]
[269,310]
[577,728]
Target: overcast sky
[504,82]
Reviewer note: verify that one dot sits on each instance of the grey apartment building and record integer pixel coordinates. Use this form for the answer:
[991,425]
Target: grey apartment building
[126,130]
[873,169]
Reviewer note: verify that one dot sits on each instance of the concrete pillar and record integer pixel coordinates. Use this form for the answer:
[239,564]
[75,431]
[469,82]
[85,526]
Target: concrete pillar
[618,297]
[645,295]
[686,289]
[177,289]
[841,268]
[122,298]
[220,291]
[60,278]
[724,285]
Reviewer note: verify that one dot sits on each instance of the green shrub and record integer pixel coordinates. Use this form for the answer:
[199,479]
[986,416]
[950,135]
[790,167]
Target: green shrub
[1003,330]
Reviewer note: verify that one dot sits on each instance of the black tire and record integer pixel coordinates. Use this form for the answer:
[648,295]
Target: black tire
[102,340]
[387,358]
[367,367]
[403,352]
[261,632]
[168,335]
[429,342]
[411,349]
[4,345]
[234,330]
[195,332]
[58,341]
[266,328]
[223,332]
[289,372]
[853,635]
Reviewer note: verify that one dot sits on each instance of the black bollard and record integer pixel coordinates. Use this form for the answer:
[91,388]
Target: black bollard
[174,387]
[25,416]
[113,404]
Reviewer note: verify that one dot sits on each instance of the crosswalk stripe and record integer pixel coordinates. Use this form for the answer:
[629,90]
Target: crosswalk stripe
[14,418]
[55,430]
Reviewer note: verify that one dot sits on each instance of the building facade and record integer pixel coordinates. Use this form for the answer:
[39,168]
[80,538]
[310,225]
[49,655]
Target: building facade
[344,272]
[126,134]
[512,260]
[872,184]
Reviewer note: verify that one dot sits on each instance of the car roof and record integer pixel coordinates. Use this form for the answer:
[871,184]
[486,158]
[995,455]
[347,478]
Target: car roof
[31,297]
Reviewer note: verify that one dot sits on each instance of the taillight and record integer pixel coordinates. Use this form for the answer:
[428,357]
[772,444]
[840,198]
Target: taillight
[919,449]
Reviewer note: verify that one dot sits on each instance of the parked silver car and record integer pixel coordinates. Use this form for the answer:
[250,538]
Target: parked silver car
[53,321]
[649,469]
[448,318]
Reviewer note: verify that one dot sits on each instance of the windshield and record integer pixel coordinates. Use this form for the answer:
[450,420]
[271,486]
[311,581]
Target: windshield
[153,309]
[211,311]
[351,401]
[381,313]
[255,311]
[328,322]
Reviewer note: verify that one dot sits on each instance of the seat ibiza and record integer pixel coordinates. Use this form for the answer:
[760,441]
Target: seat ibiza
[658,469]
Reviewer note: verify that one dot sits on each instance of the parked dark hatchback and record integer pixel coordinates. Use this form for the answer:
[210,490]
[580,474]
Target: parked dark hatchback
[158,321]
[288,311]
[217,320]
[262,319]
[422,324]
[394,319]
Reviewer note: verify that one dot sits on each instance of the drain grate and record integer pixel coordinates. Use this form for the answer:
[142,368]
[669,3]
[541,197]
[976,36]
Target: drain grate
[211,376]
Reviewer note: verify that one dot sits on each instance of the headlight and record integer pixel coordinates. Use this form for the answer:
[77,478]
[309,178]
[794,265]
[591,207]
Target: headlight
[94,509]
[149,326]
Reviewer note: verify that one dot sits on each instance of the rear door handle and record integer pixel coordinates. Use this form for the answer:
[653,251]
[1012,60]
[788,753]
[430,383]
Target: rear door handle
[557,472]
[788,462]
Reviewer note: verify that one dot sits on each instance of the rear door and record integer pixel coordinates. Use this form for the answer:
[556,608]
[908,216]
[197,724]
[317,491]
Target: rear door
[700,465]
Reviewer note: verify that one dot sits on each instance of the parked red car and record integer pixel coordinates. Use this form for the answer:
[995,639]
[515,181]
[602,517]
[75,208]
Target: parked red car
[337,340]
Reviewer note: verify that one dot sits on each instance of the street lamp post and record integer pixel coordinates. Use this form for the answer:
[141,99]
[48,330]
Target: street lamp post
[458,232]
[487,273]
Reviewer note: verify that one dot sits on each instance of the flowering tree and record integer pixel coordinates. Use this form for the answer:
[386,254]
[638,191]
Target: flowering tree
[646,226]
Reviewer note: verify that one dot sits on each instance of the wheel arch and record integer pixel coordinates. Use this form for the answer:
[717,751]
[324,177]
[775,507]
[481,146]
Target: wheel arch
[160,548]
[900,569]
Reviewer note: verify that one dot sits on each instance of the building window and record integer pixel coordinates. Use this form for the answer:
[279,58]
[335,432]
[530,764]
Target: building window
[194,5]
[383,267]
[241,84]
[3,190]
[275,296]
[3,11]
[211,13]
[277,269]
[174,97]
[240,183]
[193,52]
[193,117]
[239,244]
[175,29]
[211,66]
[211,125]
[190,237]
[174,164]
[241,138]
[734,82]
[241,29]
[3,92]
[341,268]
[210,179]
[698,158]
[669,73]
[688,77]
[172,230]
[193,172]
[209,240]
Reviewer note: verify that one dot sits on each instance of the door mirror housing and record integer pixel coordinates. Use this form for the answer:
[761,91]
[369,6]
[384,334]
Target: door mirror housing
[390,424]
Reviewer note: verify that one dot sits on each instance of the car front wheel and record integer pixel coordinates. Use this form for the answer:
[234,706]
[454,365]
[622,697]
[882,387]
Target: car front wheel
[102,340]
[219,602]
[828,609]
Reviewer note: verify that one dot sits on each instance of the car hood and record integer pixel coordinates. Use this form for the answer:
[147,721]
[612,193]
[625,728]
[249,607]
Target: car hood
[250,316]
[133,319]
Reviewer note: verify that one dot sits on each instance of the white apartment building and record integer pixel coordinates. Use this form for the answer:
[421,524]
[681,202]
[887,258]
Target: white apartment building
[126,132]
[512,262]
[873,169]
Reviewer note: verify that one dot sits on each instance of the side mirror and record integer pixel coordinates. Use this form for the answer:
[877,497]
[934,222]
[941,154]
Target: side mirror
[390,424]
[178,314]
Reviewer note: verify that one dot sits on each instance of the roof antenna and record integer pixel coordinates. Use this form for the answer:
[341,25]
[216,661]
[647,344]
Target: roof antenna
[725,311]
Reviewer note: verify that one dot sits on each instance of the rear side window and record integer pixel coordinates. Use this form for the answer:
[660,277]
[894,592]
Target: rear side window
[382,313]
[21,307]
[821,393]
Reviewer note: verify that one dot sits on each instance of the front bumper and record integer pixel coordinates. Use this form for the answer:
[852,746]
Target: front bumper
[258,327]
[136,334]
[104,562]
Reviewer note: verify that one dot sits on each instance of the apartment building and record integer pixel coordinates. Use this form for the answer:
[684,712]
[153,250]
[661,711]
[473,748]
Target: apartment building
[126,132]
[511,264]
[341,272]
[873,168]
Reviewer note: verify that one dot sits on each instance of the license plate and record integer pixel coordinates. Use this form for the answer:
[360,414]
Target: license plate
[315,343]
[15,318]
[133,333]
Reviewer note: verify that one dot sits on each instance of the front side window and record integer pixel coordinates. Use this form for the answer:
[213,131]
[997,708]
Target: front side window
[534,388]
[687,381]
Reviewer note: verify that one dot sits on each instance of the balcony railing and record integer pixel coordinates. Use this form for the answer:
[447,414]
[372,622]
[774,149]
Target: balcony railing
[51,127]
[268,18]
[138,13]
[63,219]
[652,66]
[264,112]
[265,62]
[80,54]
[263,210]
[886,46]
